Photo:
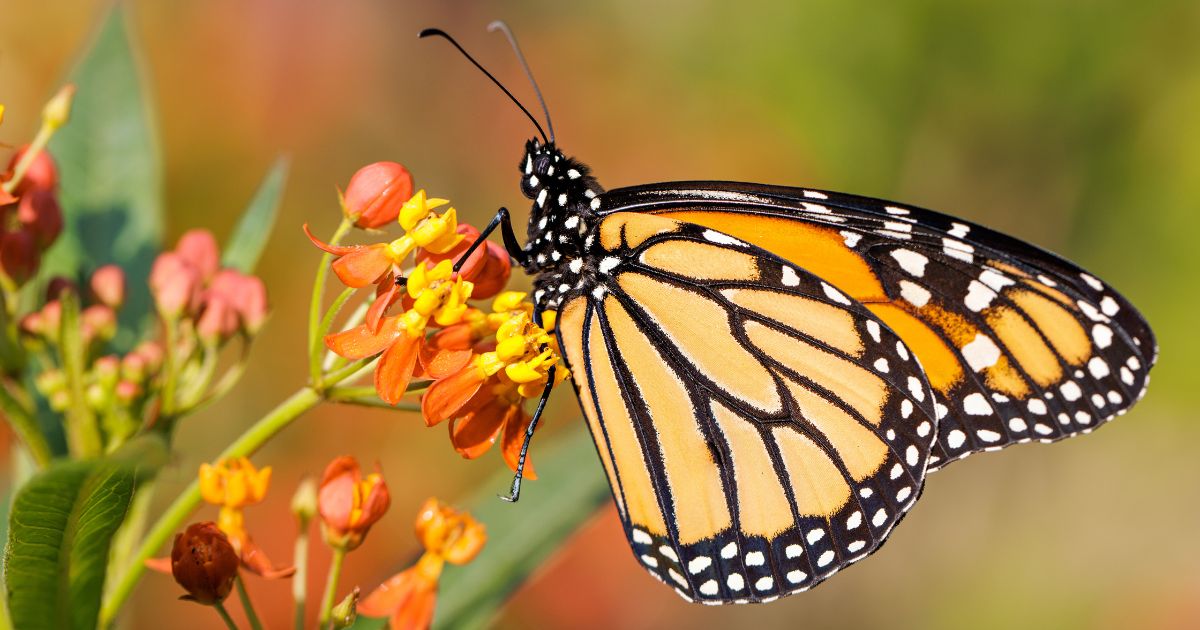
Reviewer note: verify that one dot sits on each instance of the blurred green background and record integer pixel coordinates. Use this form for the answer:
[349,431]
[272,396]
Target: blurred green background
[1073,125]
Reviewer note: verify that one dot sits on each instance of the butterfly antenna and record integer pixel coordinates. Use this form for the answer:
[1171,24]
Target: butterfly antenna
[499,25]
[440,33]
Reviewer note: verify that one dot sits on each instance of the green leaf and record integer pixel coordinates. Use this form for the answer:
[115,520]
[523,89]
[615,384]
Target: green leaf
[252,231]
[60,528]
[569,490]
[110,171]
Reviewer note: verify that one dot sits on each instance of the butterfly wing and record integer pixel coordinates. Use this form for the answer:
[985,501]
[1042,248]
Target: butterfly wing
[1017,343]
[759,429]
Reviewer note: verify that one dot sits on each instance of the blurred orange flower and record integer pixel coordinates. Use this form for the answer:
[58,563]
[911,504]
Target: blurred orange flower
[349,503]
[408,598]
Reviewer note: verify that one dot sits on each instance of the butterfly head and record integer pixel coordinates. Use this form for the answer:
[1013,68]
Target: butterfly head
[561,215]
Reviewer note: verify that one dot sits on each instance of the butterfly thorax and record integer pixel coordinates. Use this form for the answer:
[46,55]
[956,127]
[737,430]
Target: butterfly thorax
[560,220]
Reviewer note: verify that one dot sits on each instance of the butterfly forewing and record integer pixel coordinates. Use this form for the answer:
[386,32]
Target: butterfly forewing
[760,429]
[1017,343]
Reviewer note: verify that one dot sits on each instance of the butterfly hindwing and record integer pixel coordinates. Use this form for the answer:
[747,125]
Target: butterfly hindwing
[760,429]
[1017,343]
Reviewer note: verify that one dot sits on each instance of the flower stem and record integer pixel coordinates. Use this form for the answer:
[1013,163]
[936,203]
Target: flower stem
[170,366]
[247,605]
[83,435]
[315,344]
[300,579]
[331,582]
[225,616]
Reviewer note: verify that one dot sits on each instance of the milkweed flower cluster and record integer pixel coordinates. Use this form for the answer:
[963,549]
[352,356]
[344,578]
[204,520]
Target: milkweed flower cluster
[479,367]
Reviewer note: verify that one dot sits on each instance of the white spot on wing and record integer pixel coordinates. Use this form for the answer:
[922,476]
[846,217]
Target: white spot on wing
[916,295]
[834,294]
[981,353]
[722,239]
[789,277]
[910,261]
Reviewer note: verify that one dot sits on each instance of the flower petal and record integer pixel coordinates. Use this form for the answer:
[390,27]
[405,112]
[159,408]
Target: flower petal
[363,266]
[256,561]
[361,342]
[388,597]
[383,300]
[437,363]
[447,396]
[395,368]
[336,250]
[160,565]
[515,424]
[473,434]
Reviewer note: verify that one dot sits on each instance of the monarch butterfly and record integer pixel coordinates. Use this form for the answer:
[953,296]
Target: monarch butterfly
[769,372]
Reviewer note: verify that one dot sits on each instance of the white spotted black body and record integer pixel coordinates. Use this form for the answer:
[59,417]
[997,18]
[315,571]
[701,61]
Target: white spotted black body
[561,219]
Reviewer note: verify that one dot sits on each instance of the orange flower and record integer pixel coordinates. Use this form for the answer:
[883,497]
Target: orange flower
[485,398]
[434,295]
[350,504]
[489,267]
[408,598]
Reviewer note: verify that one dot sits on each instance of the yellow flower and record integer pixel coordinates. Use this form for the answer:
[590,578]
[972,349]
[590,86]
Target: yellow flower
[425,228]
[234,483]
[435,296]
[524,351]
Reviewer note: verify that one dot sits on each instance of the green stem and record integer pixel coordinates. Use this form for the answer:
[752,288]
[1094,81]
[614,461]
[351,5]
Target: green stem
[300,579]
[315,343]
[225,616]
[331,582]
[170,366]
[171,520]
[25,426]
[247,605]
[83,436]
[208,370]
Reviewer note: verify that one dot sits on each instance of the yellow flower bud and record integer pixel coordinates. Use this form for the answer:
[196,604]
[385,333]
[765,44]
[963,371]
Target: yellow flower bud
[416,209]
[57,112]
[510,349]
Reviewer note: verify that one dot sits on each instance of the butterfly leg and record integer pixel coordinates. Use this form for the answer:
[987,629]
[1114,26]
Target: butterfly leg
[504,222]
[514,493]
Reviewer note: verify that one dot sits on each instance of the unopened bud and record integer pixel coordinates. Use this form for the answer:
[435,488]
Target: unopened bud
[344,614]
[304,501]
[108,286]
[204,563]
[100,320]
[57,112]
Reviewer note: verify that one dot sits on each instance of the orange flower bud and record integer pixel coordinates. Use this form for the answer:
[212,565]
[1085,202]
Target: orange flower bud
[108,286]
[376,193]
[349,503]
[204,563]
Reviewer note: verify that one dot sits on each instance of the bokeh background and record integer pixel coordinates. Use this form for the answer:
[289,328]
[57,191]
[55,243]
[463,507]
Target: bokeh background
[1073,125]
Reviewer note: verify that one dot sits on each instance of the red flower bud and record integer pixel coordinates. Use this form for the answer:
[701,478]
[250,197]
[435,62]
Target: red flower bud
[173,282]
[42,174]
[19,256]
[57,286]
[108,286]
[127,391]
[39,213]
[204,563]
[199,249]
[350,504]
[376,193]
